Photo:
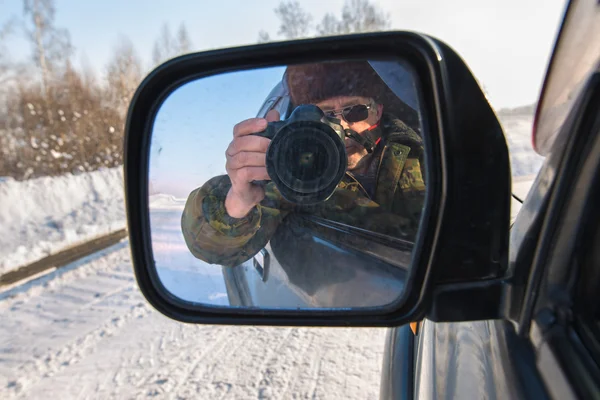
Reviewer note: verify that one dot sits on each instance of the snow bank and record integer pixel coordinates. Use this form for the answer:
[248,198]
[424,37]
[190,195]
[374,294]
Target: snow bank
[45,215]
[166,201]
[517,125]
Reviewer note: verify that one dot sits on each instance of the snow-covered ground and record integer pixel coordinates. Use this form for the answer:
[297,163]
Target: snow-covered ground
[183,275]
[86,332]
[45,215]
[517,124]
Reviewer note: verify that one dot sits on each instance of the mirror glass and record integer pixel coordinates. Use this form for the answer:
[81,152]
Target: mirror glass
[290,187]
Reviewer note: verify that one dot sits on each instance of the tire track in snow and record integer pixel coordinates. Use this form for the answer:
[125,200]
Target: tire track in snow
[276,372]
[99,339]
[55,330]
[175,372]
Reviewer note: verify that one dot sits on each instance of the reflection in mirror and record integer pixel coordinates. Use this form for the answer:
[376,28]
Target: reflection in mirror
[294,187]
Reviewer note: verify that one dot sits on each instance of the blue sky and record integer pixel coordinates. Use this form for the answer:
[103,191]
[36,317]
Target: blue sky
[505,42]
[195,125]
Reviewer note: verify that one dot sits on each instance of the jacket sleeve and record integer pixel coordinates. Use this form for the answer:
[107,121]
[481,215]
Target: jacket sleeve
[401,180]
[217,238]
[410,198]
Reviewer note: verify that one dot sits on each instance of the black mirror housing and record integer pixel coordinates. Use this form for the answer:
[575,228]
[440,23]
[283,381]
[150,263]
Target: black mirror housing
[461,251]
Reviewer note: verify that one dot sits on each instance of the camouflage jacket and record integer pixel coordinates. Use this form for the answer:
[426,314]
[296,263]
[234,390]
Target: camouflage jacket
[215,237]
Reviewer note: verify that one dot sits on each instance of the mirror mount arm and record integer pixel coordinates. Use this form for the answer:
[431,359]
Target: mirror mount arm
[455,301]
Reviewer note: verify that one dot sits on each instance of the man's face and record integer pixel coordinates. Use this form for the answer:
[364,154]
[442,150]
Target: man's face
[354,150]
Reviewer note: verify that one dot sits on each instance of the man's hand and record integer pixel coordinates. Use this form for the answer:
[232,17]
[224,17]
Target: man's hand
[246,162]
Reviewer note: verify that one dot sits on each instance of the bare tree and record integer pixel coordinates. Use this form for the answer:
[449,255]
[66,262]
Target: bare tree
[163,45]
[51,46]
[295,22]
[263,37]
[364,16]
[357,16]
[5,64]
[87,71]
[124,73]
[329,25]
[85,135]
[184,42]
[167,46]
[7,141]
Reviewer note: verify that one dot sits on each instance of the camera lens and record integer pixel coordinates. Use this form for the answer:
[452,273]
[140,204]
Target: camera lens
[306,160]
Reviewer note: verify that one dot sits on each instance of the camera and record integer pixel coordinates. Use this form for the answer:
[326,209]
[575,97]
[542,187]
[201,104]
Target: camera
[306,158]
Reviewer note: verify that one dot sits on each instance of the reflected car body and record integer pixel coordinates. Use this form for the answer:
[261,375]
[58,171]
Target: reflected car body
[340,276]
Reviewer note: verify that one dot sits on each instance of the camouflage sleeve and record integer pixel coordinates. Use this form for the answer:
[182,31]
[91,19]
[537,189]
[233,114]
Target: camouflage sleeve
[401,187]
[410,197]
[216,238]
[403,165]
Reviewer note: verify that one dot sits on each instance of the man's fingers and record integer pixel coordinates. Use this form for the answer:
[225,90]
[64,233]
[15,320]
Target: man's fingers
[249,126]
[272,115]
[246,155]
[246,159]
[248,143]
[249,174]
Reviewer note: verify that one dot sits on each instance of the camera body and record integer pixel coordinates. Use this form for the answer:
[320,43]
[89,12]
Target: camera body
[306,158]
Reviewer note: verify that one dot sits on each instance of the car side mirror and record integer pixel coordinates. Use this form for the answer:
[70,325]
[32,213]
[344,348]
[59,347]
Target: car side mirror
[383,195]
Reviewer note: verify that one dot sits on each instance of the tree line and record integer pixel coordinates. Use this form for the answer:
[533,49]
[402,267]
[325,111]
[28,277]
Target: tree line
[56,118]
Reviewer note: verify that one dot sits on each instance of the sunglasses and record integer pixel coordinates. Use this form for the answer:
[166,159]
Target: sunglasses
[351,114]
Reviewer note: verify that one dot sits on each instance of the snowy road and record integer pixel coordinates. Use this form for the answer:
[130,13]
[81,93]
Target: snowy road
[86,332]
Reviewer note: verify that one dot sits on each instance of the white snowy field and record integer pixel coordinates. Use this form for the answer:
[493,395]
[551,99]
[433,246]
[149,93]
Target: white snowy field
[44,215]
[517,124]
[525,162]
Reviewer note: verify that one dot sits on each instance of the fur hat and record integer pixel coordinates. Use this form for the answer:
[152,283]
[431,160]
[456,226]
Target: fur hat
[312,83]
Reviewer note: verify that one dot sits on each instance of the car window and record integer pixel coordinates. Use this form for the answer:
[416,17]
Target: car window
[266,107]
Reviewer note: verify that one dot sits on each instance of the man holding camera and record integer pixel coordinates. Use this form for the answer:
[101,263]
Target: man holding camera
[230,218]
